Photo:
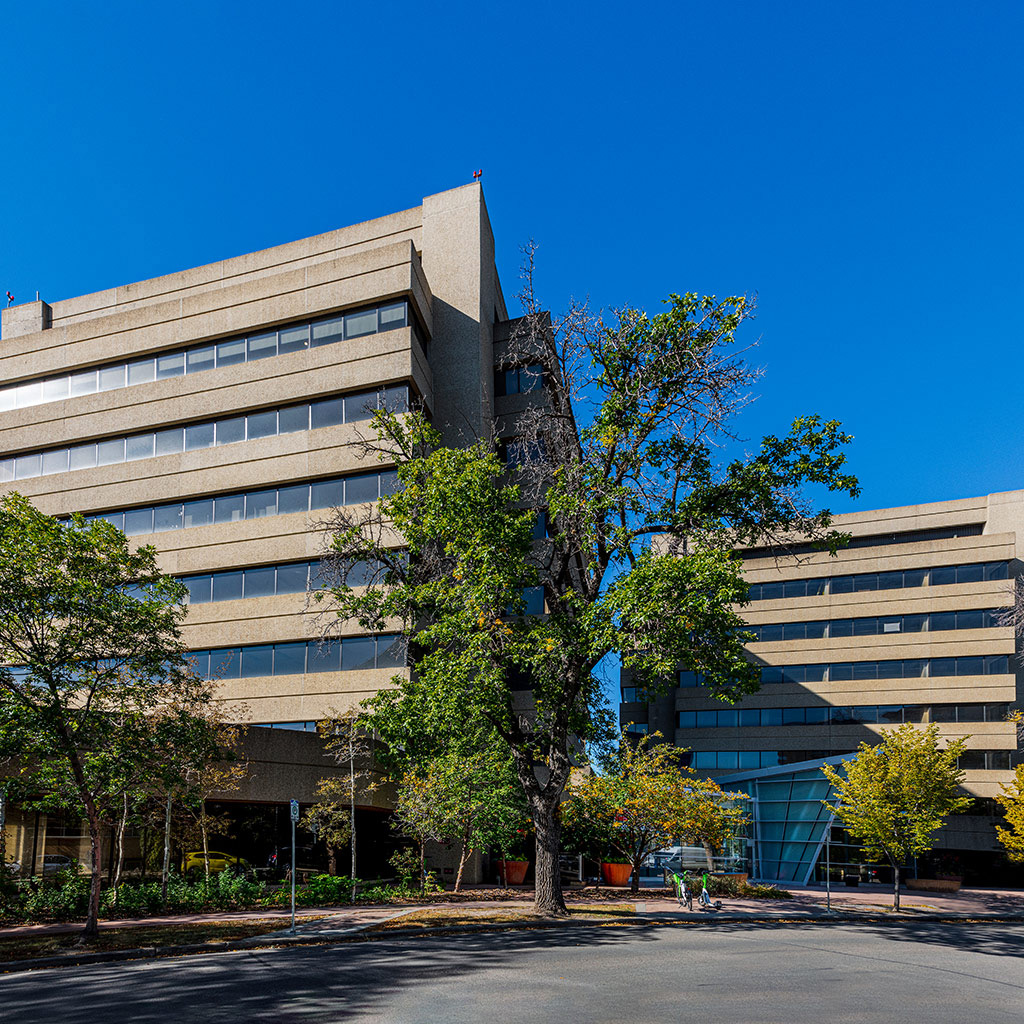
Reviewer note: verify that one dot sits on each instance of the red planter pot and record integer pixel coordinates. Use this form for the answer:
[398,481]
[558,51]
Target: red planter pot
[513,871]
[616,874]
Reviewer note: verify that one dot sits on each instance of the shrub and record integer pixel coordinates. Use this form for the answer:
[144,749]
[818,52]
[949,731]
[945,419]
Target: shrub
[324,890]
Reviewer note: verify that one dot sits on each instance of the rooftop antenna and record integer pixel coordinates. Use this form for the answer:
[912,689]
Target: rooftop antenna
[10,298]
[477,175]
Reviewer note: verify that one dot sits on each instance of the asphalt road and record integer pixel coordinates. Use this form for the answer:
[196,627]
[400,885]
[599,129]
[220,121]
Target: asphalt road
[731,972]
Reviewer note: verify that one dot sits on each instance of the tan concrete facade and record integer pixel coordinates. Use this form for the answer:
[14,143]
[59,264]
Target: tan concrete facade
[885,541]
[437,257]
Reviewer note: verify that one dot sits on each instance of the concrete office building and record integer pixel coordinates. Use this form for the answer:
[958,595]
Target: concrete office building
[215,413]
[902,626]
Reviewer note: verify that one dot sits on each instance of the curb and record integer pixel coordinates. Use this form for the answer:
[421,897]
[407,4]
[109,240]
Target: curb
[364,933]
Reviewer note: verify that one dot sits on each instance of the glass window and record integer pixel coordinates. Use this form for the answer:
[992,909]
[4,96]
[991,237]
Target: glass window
[29,394]
[840,627]
[890,669]
[55,389]
[231,430]
[323,658]
[687,679]
[141,371]
[814,673]
[388,482]
[865,714]
[291,579]
[815,630]
[328,412]
[358,653]
[391,652]
[293,499]
[942,667]
[363,487]
[943,713]
[816,716]
[998,760]
[199,589]
[257,661]
[292,419]
[771,591]
[83,383]
[114,518]
[771,717]
[841,585]
[229,509]
[231,351]
[890,713]
[199,663]
[970,573]
[771,633]
[110,452]
[293,339]
[687,719]
[771,674]
[970,666]
[915,712]
[996,712]
[259,346]
[227,586]
[326,332]
[749,759]
[996,570]
[170,442]
[111,377]
[166,517]
[728,759]
[138,521]
[198,359]
[865,670]
[914,623]
[943,576]
[261,503]
[728,719]
[199,513]
[6,470]
[359,324]
[971,760]
[865,627]
[794,588]
[705,759]
[971,713]
[198,435]
[226,663]
[360,407]
[8,398]
[840,671]
[289,659]
[326,494]
[707,719]
[141,446]
[260,582]
[55,462]
[395,399]
[261,424]
[840,716]
[749,717]
[792,716]
[392,316]
[970,619]
[914,577]
[913,668]
[997,665]
[861,584]
[170,365]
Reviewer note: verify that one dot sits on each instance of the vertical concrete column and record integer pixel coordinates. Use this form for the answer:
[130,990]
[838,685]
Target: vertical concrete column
[458,260]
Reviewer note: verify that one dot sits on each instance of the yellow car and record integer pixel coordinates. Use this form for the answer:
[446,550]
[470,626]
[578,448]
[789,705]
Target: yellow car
[192,863]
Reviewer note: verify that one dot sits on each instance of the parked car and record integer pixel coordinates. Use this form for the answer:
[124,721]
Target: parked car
[193,863]
[54,862]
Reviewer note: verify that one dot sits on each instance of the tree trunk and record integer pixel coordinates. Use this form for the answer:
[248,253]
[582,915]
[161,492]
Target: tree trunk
[332,860]
[352,805]
[548,898]
[3,827]
[423,867]
[463,857]
[206,842]
[165,872]
[710,855]
[895,886]
[634,882]
[92,926]
[119,841]
[144,850]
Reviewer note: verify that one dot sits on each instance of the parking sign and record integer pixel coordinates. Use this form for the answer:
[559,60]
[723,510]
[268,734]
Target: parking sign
[295,810]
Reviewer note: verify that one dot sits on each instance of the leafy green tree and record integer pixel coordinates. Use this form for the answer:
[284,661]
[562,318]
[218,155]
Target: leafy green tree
[330,819]
[643,798]
[616,446]
[1011,799]
[895,795]
[89,638]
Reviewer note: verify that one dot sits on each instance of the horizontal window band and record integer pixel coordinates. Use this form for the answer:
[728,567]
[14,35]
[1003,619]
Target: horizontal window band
[294,337]
[173,440]
[940,576]
[872,714]
[351,654]
[318,495]
[746,760]
[881,625]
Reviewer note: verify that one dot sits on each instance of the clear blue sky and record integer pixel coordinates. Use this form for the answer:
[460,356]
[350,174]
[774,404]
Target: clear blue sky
[859,166]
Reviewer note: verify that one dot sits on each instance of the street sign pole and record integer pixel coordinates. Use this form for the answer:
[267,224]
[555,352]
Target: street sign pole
[295,818]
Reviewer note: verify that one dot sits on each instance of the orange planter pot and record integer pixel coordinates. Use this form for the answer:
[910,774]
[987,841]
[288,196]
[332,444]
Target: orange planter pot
[513,871]
[616,874]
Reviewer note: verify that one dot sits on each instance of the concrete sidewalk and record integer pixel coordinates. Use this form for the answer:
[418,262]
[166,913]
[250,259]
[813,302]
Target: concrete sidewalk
[807,902]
